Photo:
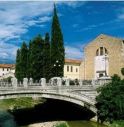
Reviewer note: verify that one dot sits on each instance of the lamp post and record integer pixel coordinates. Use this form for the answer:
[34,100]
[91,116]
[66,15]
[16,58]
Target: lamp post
[57,64]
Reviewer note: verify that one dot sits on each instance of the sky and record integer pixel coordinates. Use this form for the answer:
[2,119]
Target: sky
[81,22]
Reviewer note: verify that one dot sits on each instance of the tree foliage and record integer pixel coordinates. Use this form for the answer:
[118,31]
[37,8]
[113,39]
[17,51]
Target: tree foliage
[57,47]
[46,57]
[37,60]
[110,101]
[17,66]
[23,61]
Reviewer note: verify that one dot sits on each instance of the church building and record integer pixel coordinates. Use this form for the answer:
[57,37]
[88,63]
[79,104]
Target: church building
[104,56]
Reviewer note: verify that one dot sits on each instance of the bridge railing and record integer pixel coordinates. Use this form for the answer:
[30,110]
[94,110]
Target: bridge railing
[53,82]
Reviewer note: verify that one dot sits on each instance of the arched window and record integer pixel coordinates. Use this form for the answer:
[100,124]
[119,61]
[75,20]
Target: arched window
[97,52]
[101,51]
[67,68]
[71,69]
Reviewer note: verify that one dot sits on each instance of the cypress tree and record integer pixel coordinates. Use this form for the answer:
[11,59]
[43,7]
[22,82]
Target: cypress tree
[23,61]
[29,75]
[36,58]
[57,47]
[46,57]
[17,66]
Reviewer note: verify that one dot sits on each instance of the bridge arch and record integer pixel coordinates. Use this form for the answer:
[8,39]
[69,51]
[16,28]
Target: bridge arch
[73,97]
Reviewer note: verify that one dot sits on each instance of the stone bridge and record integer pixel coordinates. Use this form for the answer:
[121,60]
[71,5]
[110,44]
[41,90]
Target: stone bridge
[79,92]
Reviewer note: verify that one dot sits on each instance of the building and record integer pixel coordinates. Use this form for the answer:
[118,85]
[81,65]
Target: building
[7,69]
[72,68]
[104,56]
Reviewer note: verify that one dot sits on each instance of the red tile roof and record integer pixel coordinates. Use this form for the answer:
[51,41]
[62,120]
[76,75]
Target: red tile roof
[7,65]
[73,61]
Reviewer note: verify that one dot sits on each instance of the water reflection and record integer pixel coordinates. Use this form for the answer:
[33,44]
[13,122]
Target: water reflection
[6,119]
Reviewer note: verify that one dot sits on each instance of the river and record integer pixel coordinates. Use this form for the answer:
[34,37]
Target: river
[7,120]
[50,110]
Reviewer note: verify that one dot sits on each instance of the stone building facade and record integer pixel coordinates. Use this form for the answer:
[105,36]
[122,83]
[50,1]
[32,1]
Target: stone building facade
[104,56]
[72,68]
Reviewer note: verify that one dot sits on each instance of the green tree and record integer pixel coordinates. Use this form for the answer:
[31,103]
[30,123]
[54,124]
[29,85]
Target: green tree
[110,100]
[57,47]
[46,57]
[30,60]
[23,61]
[17,66]
[36,58]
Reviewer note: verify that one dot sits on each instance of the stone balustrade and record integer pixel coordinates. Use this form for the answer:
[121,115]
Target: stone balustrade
[55,81]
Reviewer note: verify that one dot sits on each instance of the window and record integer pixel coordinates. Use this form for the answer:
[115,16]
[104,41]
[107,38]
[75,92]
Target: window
[7,69]
[97,52]
[67,68]
[3,69]
[71,69]
[101,75]
[106,52]
[101,51]
[76,69]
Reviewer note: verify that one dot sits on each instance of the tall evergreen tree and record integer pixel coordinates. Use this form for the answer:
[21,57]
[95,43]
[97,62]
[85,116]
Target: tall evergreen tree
[46,57]
[36,58]
[29,74]
[17,66]
[23,61]
[57,47]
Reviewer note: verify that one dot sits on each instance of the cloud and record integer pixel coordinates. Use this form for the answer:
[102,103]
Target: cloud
[121,16]
[15,20]
[73,4]
[73,52]
[75,25]
[17,17]
[7,51]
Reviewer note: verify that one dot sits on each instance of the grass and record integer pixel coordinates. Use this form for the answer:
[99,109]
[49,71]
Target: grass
[16,103]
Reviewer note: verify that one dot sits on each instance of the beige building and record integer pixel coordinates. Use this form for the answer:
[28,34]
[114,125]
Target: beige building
[72,68]
[104,56]
[6,69]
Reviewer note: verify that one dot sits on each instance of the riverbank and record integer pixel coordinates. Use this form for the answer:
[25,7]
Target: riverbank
[50,124]
[18,103]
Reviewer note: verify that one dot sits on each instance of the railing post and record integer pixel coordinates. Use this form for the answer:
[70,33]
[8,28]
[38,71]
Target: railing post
[80,82]
[67,82]
[25,82]
[30,81]
[43,82]
[59,81]
[14,83]
[93,82]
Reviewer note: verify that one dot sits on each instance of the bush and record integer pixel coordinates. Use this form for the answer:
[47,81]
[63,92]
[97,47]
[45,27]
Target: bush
[110,101]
